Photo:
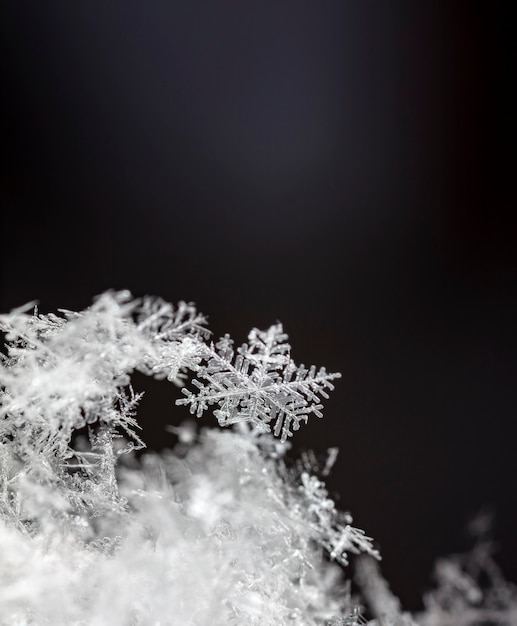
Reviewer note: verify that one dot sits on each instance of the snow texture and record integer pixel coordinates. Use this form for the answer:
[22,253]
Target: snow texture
[219,530]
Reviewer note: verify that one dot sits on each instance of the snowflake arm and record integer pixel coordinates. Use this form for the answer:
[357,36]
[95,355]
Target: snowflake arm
[332,529]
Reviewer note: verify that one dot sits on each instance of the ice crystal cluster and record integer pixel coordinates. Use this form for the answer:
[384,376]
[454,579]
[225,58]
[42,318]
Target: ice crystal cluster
[220,530]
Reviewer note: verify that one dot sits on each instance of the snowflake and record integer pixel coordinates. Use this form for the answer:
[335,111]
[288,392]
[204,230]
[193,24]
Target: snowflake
[260,386]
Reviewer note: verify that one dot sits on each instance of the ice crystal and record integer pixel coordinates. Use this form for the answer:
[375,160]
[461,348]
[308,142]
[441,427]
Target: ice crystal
[221,530]
[63,374]
[471,588]
[259,385]
[332,527]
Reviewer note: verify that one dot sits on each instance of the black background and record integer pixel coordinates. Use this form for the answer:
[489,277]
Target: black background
[344,167]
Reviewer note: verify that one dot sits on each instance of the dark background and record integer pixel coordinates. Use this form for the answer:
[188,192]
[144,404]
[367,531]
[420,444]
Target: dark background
[344,167]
